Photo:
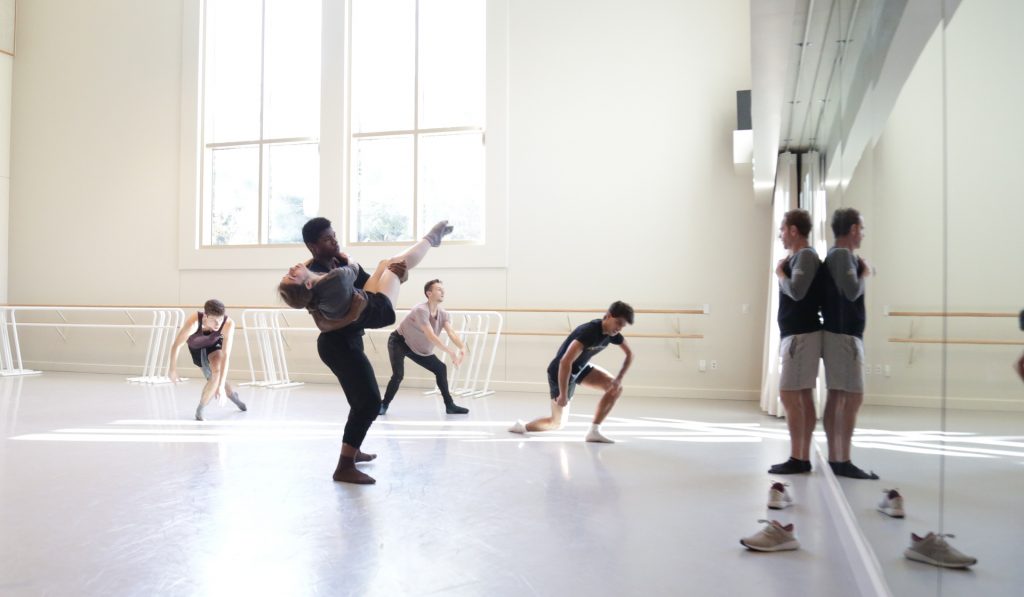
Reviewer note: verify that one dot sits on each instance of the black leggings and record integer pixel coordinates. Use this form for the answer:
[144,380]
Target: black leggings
[397,351]
[344,355]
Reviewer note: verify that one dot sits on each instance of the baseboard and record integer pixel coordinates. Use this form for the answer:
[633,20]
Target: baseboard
[952,402]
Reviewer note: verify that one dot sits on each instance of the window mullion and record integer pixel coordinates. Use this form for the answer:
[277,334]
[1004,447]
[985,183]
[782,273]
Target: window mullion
[416,127]
[262,232]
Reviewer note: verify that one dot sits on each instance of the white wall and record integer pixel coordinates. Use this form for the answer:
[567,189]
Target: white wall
[620,183]
[965,254]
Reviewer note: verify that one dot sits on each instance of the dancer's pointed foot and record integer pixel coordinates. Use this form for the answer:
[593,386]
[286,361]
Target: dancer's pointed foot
[439,231]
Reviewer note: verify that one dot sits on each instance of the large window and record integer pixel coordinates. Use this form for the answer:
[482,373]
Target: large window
[261,120]
[417,116]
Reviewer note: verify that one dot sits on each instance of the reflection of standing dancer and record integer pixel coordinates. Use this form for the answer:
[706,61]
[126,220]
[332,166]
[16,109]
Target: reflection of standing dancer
[843,316]
[571,366]
[210,346]
[1019,366]
[416,338]
[341,312]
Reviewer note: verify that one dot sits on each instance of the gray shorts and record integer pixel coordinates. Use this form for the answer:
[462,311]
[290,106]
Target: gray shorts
[844,363]
[800,355]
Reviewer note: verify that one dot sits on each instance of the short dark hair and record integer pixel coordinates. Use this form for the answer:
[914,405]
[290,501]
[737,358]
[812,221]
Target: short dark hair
[843,219]
[213,307]
[799,218]
[623,310]
[429,285]
[312,230]
[296,296]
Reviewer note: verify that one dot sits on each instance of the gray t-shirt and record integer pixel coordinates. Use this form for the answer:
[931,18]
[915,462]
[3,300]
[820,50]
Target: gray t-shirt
[411,328]
[802,268]
[843,266]
[333,293]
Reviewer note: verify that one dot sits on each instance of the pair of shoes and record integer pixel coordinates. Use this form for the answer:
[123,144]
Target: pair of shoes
[233,396]
[595,436]
[439,231]
[384,408]
[773,537]
[891,504]
[778,497]
[791,467]
[933,549]
[455,409]
[848,469]
[518,427]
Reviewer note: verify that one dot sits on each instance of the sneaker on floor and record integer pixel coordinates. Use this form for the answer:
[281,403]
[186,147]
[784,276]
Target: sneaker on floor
[778,497]
[773,537]
[518,427]
[891,504]
[595,435]
[455,409]
[791,467]
[233,396]
[933,549]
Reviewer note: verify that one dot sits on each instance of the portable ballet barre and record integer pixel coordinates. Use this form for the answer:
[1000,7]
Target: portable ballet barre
[480,331]
[165,323]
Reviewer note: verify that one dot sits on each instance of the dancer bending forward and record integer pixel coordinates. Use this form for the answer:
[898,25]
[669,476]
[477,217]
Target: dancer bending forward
[571,367]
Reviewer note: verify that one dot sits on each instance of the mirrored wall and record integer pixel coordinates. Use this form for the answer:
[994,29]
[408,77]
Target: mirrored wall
[921,131]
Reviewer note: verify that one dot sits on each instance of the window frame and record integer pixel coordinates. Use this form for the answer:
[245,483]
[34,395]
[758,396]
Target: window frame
[334,143]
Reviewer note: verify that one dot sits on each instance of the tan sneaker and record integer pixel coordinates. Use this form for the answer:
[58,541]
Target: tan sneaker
[891,504]
[778,497]
[933,549]
[773,537]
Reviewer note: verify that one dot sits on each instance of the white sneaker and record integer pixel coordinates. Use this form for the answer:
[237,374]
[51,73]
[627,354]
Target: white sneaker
[518,427]
[933,549]
[891,504]
[595,435]
[778,497]
[773,537]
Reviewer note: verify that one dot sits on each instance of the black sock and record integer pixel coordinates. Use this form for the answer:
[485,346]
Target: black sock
[848,469]
[791,467]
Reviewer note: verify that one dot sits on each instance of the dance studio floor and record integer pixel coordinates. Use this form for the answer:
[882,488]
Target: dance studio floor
[109,488]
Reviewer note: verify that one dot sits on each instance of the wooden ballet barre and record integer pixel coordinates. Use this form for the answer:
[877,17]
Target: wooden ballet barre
[627,335]
[599,310]
[971,341]
[949,314]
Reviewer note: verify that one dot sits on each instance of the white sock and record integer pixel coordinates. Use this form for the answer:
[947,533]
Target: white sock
[518,427]
[595,435]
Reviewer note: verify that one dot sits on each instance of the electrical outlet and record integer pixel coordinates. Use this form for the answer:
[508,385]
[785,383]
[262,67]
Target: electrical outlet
[714,365]
[702,365]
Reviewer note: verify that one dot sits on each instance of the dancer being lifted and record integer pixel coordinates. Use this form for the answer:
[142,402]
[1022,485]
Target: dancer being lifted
[341,311]
[571,366]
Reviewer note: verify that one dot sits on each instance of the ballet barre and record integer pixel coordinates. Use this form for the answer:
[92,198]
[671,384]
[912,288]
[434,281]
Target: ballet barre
[165,322]
[480,331]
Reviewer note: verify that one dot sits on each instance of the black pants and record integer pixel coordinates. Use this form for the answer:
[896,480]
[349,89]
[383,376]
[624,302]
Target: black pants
[344,355]
[397,351]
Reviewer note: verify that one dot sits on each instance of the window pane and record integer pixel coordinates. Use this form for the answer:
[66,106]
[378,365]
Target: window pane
[452,56]
[451,183]
[383,65]
[232,92]
[382,189]
[292,69]
[293,189]
[234,196]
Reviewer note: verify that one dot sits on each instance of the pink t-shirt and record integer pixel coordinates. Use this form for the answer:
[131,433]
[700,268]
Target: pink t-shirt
[411,328]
